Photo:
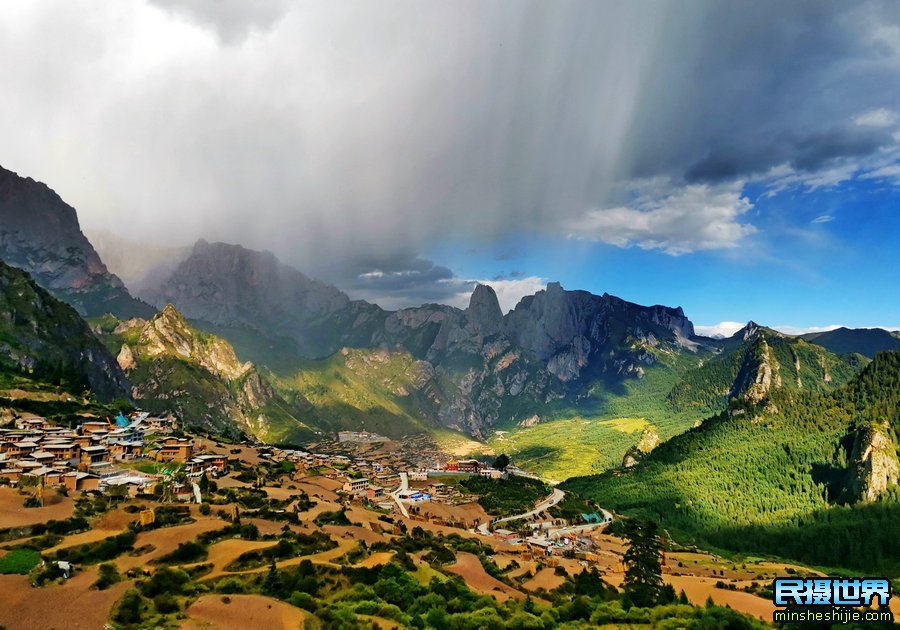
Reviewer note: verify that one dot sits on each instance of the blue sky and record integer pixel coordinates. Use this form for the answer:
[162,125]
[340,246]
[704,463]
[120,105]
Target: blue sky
[819,258]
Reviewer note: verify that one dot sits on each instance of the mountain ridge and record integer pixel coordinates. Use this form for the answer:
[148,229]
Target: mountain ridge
[40,233]
[44,338]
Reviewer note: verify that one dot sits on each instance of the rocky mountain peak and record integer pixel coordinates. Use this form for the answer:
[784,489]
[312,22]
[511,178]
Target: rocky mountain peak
[40,233]
[231,285]
[169,334]
[484,311]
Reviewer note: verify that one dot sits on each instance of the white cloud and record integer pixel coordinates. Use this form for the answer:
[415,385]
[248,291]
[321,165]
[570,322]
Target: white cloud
[890,172]
[825,218]
[881,117]
[722,329]
[676,220]
[785,177]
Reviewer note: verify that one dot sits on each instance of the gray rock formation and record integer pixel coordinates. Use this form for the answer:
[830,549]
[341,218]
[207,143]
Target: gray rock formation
[40,233]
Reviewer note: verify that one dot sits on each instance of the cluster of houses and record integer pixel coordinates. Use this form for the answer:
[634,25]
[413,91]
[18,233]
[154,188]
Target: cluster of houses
[95,456]
[376,478]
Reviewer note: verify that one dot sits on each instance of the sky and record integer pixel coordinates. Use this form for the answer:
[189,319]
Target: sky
[739,160]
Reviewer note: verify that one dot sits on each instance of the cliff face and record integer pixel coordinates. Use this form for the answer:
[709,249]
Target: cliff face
[576,331]
[174,367]
[40,233]
[43,337]
[873,464]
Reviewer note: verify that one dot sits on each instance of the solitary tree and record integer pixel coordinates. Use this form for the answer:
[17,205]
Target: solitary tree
[272,584]
[501,462]
[643,564]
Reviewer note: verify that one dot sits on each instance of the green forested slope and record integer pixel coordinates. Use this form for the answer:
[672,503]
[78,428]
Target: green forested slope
[764,477]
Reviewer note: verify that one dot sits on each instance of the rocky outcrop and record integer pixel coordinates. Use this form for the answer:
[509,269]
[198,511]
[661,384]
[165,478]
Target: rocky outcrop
[46,339]
[484,314]
[576,332]
[648,441]
[125,358]
[873,464]
[175,367]
[40,234]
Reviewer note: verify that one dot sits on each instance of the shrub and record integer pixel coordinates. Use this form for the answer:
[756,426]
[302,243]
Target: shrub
[166,603]
[231,585]
[185,552]
[129,608]
[108,575]
[338,517]
[166,580]
[303,600]
[32,502]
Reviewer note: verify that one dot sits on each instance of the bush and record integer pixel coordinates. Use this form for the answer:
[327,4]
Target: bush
[108,575]
[231,586]
[166,603]
[338,517]
[99,551]
[303,600]
[32,502]
[129,608]
[166,580]
[205,509]
[185,552]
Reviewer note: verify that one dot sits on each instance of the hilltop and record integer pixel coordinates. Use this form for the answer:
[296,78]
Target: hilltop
[40,234]
[173,367]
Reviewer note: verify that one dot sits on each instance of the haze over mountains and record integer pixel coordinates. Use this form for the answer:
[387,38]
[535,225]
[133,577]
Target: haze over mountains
[476,368]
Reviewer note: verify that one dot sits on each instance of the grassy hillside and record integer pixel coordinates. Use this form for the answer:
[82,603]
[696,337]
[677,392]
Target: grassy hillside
[591,433]
[373,390]
[759,479]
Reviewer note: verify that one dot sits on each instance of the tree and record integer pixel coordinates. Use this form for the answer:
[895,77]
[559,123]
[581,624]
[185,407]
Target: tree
[643,563]
[129,609]
[501,462]
[204,484]
[272,584]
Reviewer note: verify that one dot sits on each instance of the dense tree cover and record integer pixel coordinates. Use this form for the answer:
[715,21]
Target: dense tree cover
[760,478]
[503,497]
[797,365]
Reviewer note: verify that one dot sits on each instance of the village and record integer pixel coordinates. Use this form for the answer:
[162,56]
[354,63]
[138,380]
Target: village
[351,500]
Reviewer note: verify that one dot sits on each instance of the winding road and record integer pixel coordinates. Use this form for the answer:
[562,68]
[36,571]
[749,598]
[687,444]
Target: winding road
[555,497]
[404,485]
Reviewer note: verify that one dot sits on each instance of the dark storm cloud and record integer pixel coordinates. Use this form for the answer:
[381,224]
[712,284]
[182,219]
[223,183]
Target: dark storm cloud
[808,153]
[750,86]
[346,135]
